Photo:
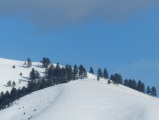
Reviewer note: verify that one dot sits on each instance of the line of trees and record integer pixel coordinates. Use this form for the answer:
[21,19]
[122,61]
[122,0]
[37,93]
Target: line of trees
[58,74]
[116,78]
[140,86]
[53,75]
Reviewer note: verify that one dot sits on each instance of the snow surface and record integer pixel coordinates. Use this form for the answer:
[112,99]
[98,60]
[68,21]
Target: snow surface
[7,73]
[86,99]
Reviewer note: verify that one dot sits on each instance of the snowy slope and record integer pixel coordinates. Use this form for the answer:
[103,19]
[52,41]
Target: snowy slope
[8,73]
[86,99]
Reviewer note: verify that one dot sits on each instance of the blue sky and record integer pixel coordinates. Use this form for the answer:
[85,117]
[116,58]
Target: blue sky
[126,43]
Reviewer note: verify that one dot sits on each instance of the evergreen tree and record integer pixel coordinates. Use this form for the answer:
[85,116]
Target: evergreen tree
[112,77]
[32,74]
[82,72]
[99,73]
[91,70]
[109,82]
[9,83]
[37,74]
[117,78]
[105,74]
[70,73]
[126,82]
[13,94]
[143,87]
[134,84]
[75,71]
[6,98]
[98,77]
[153,91]
[148,90]
[13,84]
[29,63]
[45,62]
[140,86]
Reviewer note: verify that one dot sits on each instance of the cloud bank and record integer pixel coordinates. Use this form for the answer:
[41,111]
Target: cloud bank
[52,13]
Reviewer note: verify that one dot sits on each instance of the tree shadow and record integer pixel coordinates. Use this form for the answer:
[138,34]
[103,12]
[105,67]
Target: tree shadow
[39,66]
[22,80]
[27,78]
[22,66]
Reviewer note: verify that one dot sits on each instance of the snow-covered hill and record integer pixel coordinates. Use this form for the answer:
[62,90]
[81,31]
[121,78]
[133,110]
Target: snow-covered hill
[7,73]
[86,99]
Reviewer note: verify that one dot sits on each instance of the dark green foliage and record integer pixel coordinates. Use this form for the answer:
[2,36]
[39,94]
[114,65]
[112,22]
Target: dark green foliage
[13,94]
[126,82]
[9,83]
[54,75]
[34,74]
[148,90]
[153,91]
[116,78]
[109,82]
[130,83]
[99,74]
[37,74]
[98,77]
[140,86]
[91,70]
[112,77]
[28,60]
[75,71]
[105,74]
[13,84]
[29,63]
[45,62]
[82,72]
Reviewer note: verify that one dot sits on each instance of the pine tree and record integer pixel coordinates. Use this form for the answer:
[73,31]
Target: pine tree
[111,77]
[29,63]
[98,77]
[9,83]
[32,74]
[70,73]
[37,75]
[13,94]
[91,70]
[7,98]
[105,74]
[13,84]
[109,82]
[82,72]
[45,62]
[139,86]
[153,91]
[99,73]
[134,84]
[13,66]
[143,87]
[75,71]
[148,91]
[116,78]
[126,82]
